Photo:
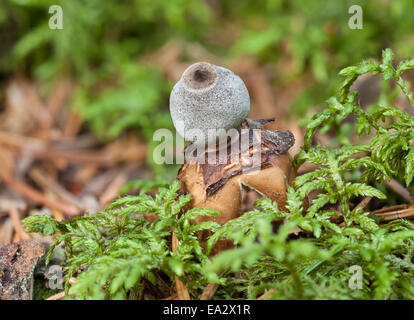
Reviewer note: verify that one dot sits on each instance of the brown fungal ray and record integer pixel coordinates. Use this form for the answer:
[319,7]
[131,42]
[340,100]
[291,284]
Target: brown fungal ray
[221,186]
[216,175]
[282,140]
[258,123]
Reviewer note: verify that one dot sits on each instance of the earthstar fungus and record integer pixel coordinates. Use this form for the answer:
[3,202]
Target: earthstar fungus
[208,97]
[212,97]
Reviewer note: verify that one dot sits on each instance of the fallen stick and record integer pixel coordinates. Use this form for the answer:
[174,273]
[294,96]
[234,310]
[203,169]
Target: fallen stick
[269,293]
[403,211]
[74,156]
[399,216]
[112,191]
[57,296]
[40,149]
[307,167]
[36,196]
[6,232]
[398,188]
[392,208]
[363,203]
[17,224]
[20,141]
[182,290]
[209,291]
[391,213]
[266,295]
[47,183]
[59,95]
[61,294]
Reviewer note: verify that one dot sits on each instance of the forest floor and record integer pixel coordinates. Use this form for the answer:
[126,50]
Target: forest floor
[51,164]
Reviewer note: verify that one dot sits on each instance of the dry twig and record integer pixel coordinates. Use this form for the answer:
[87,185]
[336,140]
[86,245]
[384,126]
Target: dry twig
[209,291]
[266,295]
[36,196]
[182,290]
[17,224]
[398,188]
[61,294]
[395,212]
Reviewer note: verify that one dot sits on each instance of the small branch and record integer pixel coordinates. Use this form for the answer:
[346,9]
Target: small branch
[47,183]
[61,294]
[363,203]
[209,291]
[307,167]
[182,290]
[36,196]
[395,212]
[267,294]
[17,224]
[6,232]
[74,156]
[57,296]
[112,191]
[391,208]
[398,188]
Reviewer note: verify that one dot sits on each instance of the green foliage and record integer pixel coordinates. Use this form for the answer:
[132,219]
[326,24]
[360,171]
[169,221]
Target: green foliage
[330,179]
[143,185]
[310,254]
[99,45]
[316,268]
[95,33]
[137,97]
[315,37]
[101,41]
[391,150]
[120,247]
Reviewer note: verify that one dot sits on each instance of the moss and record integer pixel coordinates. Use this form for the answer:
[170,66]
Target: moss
[40,290]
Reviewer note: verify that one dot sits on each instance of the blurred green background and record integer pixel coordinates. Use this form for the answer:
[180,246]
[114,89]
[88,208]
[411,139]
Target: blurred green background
[125,55]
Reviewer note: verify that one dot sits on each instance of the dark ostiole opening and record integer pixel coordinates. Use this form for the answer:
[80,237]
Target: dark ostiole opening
[199,76]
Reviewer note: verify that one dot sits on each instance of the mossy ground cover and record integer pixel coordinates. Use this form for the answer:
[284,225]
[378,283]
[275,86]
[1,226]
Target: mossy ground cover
[308,257]
[119,59]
